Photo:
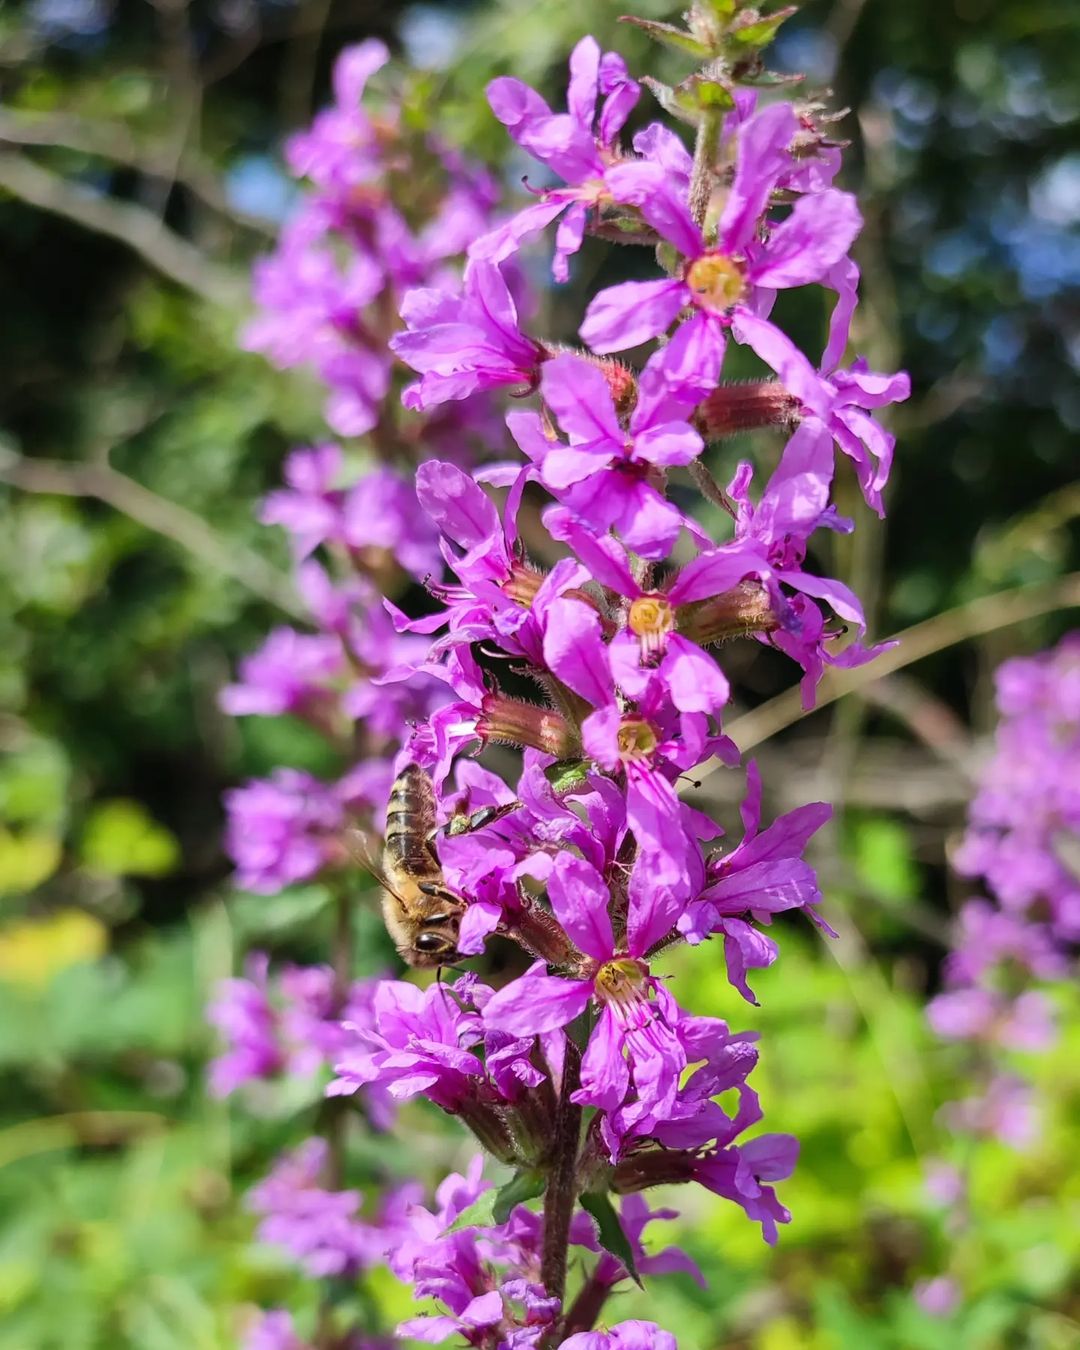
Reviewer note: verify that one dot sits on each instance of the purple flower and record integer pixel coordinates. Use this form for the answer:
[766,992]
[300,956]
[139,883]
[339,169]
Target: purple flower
[282,830]
[576,145]
[421,1043]
[794,504]
[740,273]
[651,743]
[764,875]
[633,1335]
[650,640]
[290,673]
[374,517]
[837,401]
[608,477]
[273,1330]
[500,597]
[340,151]
[1005,1109]
[463,344]
[319,1228]
[737,1174]
[308,507]
[245,1018]
[938,1297]
[312,314]
[634,1035]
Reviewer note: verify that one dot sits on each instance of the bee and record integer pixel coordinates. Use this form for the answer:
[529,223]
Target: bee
[422,914]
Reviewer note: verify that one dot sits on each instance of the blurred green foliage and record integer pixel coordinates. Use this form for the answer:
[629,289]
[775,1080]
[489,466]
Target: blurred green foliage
[135,440]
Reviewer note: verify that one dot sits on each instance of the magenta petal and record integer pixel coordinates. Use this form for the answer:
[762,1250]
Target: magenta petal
[763,157]
[602,555]
[458,507]
[653,908]
[599,736]
[568,240]
[515,104]
[604,1075]
[536,1003]
[584,81]
[776,349]
[433,1330]
[812,240]
[842,601]
[628,314]
[844,280]
[579,396]
[715,572]
[479,920]
[671,443]
[650,188]
[580,898]
[574,650]
[771,1157]
[505,240]
[696,682]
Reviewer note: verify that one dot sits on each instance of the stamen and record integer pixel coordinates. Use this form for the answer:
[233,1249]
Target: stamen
[651,617]
[716,282]
[636,739]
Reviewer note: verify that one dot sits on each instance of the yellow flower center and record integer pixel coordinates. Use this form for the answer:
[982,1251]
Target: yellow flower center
[636,738]
[651,617]
[716,281]
[623,981]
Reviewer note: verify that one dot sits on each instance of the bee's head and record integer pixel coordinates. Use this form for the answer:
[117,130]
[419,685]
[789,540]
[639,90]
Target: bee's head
[433,949]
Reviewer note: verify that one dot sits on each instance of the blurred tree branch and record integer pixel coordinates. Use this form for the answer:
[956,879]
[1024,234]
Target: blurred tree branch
[115,142]
[974,619]
[175,522]
[134,226]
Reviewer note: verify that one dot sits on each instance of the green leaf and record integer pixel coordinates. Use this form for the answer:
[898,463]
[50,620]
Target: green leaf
[121,839]
[669,36]
[480,1214]
[883,857]
[494,1206]
[609,1230]
[567,774]
[749,32]
[522,1186]
[708,93]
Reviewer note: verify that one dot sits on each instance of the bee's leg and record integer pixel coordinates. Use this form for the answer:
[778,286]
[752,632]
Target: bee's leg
[439,891]
[487,815]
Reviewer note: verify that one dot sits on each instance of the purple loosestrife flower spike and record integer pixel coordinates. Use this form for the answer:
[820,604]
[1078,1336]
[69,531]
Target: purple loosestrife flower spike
[601,670]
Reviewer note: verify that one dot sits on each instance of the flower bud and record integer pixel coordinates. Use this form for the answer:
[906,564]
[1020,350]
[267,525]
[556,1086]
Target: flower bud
[745,609]
[515,722]
[734,408]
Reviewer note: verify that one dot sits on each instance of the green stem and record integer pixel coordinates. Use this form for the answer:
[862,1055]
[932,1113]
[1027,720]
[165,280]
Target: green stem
[706,145]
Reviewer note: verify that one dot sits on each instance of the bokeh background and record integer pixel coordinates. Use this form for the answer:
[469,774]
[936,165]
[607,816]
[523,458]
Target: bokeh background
[140,174]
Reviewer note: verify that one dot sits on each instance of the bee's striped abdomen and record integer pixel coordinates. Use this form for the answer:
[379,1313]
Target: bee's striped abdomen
[410,821]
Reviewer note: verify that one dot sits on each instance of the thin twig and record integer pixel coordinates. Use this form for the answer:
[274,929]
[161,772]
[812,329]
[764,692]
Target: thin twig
[114,142]
[155,513]
[976,618]
[134,226]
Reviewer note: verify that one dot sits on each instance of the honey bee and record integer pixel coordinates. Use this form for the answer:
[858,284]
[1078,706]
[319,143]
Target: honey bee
[422,914]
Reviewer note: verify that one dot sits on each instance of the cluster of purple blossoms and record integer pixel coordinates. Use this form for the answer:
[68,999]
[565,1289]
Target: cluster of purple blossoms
[295,1024]
[1010,948]
[574,613]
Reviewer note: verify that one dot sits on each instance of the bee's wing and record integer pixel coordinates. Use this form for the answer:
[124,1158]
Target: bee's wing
[359,849]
